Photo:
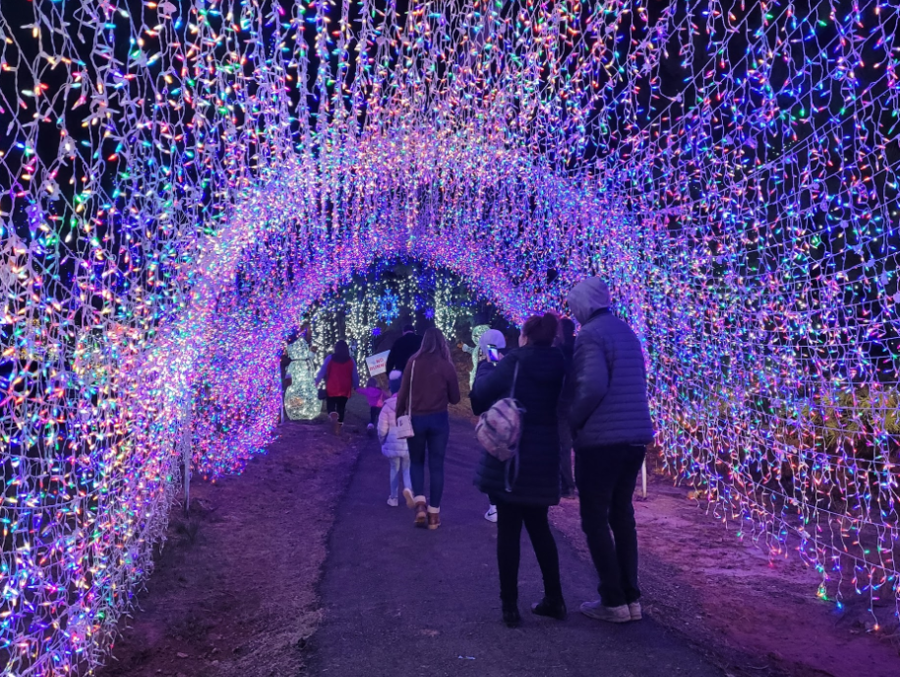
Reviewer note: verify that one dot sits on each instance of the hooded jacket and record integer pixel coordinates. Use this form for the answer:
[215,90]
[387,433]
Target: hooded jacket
[391,445]
[538,385]
[404,347]
[610,404]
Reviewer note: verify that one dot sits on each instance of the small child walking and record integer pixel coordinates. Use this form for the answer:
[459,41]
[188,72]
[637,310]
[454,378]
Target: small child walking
[391,446]
[375,397]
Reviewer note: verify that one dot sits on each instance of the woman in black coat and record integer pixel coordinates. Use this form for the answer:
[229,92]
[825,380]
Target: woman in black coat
[539,381]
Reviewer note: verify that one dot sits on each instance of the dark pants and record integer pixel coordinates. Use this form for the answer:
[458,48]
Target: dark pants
[606,478]
[567,479]
[338,404]
[373,415]
[510,519]
[431,432]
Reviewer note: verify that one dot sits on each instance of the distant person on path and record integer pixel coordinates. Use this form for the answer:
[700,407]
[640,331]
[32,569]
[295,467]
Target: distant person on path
[404,348]
[565,340]
[375,396]
[491,337]
[429,384]
[341,379]
[393,447]
[536,385]
[611,426]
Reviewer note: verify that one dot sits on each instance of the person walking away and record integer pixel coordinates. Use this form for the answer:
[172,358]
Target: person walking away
[565,341]
[341,378]
[611,426]
[375,397]
[491,337]
[392,446]
[533,375]
[404,348]
[429,385]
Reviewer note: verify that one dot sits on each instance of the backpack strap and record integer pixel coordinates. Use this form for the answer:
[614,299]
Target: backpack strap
[512,391]
[511,466]
[412,376]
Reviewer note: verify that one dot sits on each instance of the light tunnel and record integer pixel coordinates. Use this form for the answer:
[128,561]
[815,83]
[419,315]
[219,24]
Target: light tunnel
[183,179]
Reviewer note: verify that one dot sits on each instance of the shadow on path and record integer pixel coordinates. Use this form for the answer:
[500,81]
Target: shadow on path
[412,602]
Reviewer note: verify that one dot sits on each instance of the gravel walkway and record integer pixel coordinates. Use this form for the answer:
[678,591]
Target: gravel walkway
[417,603]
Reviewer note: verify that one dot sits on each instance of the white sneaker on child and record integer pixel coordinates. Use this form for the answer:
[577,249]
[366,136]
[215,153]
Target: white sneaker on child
[393,502]
[410,499]
[491,514]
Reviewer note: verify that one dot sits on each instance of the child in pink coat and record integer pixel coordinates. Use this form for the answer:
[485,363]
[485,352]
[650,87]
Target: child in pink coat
[375,397]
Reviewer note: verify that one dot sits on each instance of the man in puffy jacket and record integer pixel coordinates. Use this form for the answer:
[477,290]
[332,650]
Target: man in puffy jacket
[404,347]
[611,426]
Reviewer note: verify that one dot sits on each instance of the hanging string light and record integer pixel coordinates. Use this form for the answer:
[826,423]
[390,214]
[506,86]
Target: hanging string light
[183,181]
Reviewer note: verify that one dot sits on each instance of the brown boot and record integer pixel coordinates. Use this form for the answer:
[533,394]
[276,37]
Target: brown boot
[421,516]
[434,519]
[335,424]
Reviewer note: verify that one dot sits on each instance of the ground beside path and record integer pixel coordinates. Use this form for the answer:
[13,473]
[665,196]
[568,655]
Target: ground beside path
[233,593]
[404,601]
[759,617]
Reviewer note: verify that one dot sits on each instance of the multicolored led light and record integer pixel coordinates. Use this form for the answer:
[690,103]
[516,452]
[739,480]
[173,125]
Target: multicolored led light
[183,180]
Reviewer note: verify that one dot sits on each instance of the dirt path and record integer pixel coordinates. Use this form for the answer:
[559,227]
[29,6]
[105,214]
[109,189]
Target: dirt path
[761,618]
[405,601]
[234,590]
[237,591]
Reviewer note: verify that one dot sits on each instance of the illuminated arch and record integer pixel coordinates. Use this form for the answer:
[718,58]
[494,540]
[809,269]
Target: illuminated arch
[170,166]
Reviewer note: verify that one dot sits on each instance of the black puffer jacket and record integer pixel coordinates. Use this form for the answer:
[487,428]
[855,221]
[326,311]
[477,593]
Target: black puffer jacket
[538,386]
[610,404]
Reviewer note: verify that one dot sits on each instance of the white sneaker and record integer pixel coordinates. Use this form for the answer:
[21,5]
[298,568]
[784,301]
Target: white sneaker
[491,514]
[393,502]
[410,499]
[635,610]
[612,614]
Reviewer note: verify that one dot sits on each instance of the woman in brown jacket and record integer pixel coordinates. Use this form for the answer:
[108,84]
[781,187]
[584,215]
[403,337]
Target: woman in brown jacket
[430,383]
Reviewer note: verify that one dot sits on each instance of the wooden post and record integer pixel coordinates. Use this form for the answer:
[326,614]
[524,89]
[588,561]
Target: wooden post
[644,479]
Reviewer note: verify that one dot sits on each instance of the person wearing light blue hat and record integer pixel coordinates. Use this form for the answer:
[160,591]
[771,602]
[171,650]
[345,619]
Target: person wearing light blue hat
[492,338]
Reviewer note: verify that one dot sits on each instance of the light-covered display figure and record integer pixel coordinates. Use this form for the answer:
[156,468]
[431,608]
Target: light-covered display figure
[300,400]
[477,333]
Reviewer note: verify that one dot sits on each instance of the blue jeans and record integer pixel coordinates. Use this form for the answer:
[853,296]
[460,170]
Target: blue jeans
[399,463]
[431,432]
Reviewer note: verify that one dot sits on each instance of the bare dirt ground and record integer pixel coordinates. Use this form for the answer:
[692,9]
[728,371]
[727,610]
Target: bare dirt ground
[753,616]
[234,589]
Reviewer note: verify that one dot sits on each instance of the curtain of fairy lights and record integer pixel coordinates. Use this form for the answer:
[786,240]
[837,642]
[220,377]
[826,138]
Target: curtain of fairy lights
[182,179]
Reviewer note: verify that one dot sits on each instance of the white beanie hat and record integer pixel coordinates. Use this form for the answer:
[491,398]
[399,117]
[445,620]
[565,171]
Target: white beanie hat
[491,337]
